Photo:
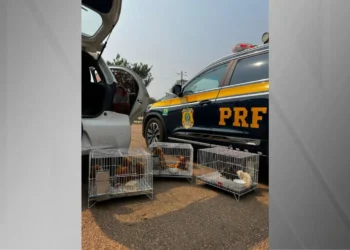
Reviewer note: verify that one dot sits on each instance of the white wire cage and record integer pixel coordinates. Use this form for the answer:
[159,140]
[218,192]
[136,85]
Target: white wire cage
[119,172]
[172,159]
[231,170]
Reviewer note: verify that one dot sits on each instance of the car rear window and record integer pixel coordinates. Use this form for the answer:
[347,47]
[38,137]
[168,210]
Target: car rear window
[91,21]
[251,69]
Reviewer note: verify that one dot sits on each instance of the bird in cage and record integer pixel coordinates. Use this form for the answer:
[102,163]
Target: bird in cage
[226,172]
[122,170]
[245,177]
[127,162]
[226,175]
[122,175]
[94,169]
[129,170]
[140,168]
[159,153]
[181,163]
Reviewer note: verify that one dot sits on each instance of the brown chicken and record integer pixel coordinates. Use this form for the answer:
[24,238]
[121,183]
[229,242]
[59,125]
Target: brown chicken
[127,162]
[128,171]
[181,163]
[159,152]
[121,170]
[122,175]
[140,168]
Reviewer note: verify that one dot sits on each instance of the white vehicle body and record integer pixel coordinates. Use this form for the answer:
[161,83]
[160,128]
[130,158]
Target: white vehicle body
[104,127]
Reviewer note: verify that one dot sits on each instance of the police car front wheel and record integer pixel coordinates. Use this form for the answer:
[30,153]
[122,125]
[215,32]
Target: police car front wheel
[153,131]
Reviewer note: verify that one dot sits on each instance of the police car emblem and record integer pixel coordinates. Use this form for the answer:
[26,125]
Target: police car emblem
[165,112]
[187,118]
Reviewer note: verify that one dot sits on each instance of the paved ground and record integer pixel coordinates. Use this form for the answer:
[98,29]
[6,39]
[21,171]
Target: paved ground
[181,216]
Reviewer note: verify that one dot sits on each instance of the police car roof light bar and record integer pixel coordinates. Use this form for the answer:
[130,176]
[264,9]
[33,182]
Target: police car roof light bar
[242,46]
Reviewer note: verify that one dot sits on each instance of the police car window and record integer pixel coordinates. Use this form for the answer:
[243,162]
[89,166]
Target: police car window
[208,80]
[251,69]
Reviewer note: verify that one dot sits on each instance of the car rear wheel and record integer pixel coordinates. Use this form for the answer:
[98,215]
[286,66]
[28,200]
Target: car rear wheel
[153,131]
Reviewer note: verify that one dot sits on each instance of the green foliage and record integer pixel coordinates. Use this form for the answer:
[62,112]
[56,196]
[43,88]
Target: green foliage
[143,70]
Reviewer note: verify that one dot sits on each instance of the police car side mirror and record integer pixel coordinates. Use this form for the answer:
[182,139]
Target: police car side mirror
[177,89]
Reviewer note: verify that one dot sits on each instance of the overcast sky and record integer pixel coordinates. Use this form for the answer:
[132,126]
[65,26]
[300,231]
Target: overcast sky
[175,35]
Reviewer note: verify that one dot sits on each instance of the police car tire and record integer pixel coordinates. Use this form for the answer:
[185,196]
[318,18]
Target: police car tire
[158,122]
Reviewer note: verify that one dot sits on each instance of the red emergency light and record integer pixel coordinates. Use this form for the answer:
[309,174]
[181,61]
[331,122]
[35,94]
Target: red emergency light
[242,46]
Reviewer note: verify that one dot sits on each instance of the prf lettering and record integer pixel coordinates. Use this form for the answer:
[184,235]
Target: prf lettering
[240,115]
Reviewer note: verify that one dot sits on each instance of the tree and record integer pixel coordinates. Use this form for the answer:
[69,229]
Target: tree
[143,70]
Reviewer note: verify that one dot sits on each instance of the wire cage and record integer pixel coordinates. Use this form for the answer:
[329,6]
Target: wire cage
[172,159]
[234,171]
[119,172]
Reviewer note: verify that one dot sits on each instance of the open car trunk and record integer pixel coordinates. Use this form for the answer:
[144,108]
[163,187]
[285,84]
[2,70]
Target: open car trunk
[106,117]
[127,91]
[95,91]
[99,17]
[121,95]
[106,114]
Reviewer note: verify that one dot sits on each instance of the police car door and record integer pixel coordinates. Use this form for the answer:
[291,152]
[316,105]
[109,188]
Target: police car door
[243,105]
[194,112]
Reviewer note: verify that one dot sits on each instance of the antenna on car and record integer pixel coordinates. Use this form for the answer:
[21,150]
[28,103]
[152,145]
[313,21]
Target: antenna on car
[104,45]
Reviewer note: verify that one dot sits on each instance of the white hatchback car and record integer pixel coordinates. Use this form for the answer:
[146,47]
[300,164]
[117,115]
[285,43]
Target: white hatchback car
[103,125]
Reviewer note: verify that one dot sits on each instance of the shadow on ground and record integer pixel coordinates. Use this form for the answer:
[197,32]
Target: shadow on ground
[181,216]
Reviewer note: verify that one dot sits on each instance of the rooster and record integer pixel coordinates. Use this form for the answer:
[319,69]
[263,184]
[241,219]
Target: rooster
[129,171]
[159,152]
[127,162]
[121,174]
[121,170]
[181,163]
[140,168]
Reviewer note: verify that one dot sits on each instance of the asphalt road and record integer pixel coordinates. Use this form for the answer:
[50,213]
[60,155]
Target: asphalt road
[181,216]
